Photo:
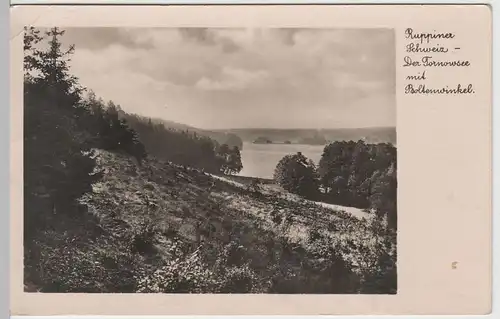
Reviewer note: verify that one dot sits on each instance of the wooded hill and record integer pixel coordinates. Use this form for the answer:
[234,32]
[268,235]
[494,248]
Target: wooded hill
[220,137]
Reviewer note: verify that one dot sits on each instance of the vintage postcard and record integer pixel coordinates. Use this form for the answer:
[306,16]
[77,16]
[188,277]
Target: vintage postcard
[246,159]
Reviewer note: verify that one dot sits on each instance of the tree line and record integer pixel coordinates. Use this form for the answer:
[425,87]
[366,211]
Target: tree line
[184,147]
[349,173]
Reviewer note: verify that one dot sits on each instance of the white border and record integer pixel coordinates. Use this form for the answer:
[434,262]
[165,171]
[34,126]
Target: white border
[496,89]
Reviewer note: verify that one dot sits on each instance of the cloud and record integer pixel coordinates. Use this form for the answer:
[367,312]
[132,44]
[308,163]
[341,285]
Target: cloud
[285,36]
[99,38]
[233,79]
[209,37]
[201,35]
[229,77]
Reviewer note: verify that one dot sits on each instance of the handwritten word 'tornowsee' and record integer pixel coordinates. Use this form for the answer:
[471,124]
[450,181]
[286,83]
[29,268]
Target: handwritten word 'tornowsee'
[427,61]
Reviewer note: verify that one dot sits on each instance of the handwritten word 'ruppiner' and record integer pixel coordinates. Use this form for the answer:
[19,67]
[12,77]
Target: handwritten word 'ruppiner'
[427,37]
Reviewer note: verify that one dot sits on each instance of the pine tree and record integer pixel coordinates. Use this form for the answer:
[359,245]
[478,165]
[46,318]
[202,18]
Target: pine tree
[58,165]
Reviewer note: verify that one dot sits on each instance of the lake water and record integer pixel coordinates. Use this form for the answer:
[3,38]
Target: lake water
[260,160]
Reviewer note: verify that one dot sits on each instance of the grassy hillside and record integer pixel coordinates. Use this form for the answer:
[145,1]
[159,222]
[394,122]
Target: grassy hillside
[163,228]
[371,135]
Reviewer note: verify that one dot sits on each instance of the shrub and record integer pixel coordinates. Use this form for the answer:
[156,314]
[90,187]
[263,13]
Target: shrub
[314,234]
[240,279]
[322,270]
[184,273]
[297,174]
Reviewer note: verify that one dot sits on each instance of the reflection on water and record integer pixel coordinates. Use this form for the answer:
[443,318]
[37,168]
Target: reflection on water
[260,160]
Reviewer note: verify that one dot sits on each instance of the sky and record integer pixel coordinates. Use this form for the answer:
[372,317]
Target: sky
[242,78]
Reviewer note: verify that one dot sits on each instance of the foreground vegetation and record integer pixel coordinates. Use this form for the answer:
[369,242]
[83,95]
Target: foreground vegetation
[116,203]
[163,228]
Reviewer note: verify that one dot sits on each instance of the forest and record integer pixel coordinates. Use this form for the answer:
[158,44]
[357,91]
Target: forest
[115,202]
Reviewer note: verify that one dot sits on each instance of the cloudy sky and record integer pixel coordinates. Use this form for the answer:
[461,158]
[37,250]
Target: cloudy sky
[235,78]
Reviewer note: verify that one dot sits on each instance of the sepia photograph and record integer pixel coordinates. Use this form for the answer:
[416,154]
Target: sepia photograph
[210,160]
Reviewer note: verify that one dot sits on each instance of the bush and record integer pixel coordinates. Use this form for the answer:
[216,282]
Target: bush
[240,279]
[183,273]
[314,234]
[58,262]
[322,270]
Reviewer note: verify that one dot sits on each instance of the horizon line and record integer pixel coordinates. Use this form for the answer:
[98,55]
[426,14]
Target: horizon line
[295,128]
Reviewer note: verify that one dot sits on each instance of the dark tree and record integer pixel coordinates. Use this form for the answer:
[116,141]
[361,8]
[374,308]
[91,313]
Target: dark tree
[230,159]
[58,161]
[297,174]
[361,175]
[235,160]
[383,195]
[335,170]
[110,130]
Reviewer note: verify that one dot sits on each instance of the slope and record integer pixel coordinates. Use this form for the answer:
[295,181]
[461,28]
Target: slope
[159,227]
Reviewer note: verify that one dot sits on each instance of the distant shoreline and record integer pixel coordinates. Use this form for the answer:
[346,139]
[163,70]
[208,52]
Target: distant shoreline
[298,128]
[283,143]
[327,143]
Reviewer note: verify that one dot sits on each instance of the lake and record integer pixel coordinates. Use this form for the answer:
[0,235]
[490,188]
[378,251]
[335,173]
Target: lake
[260,160]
